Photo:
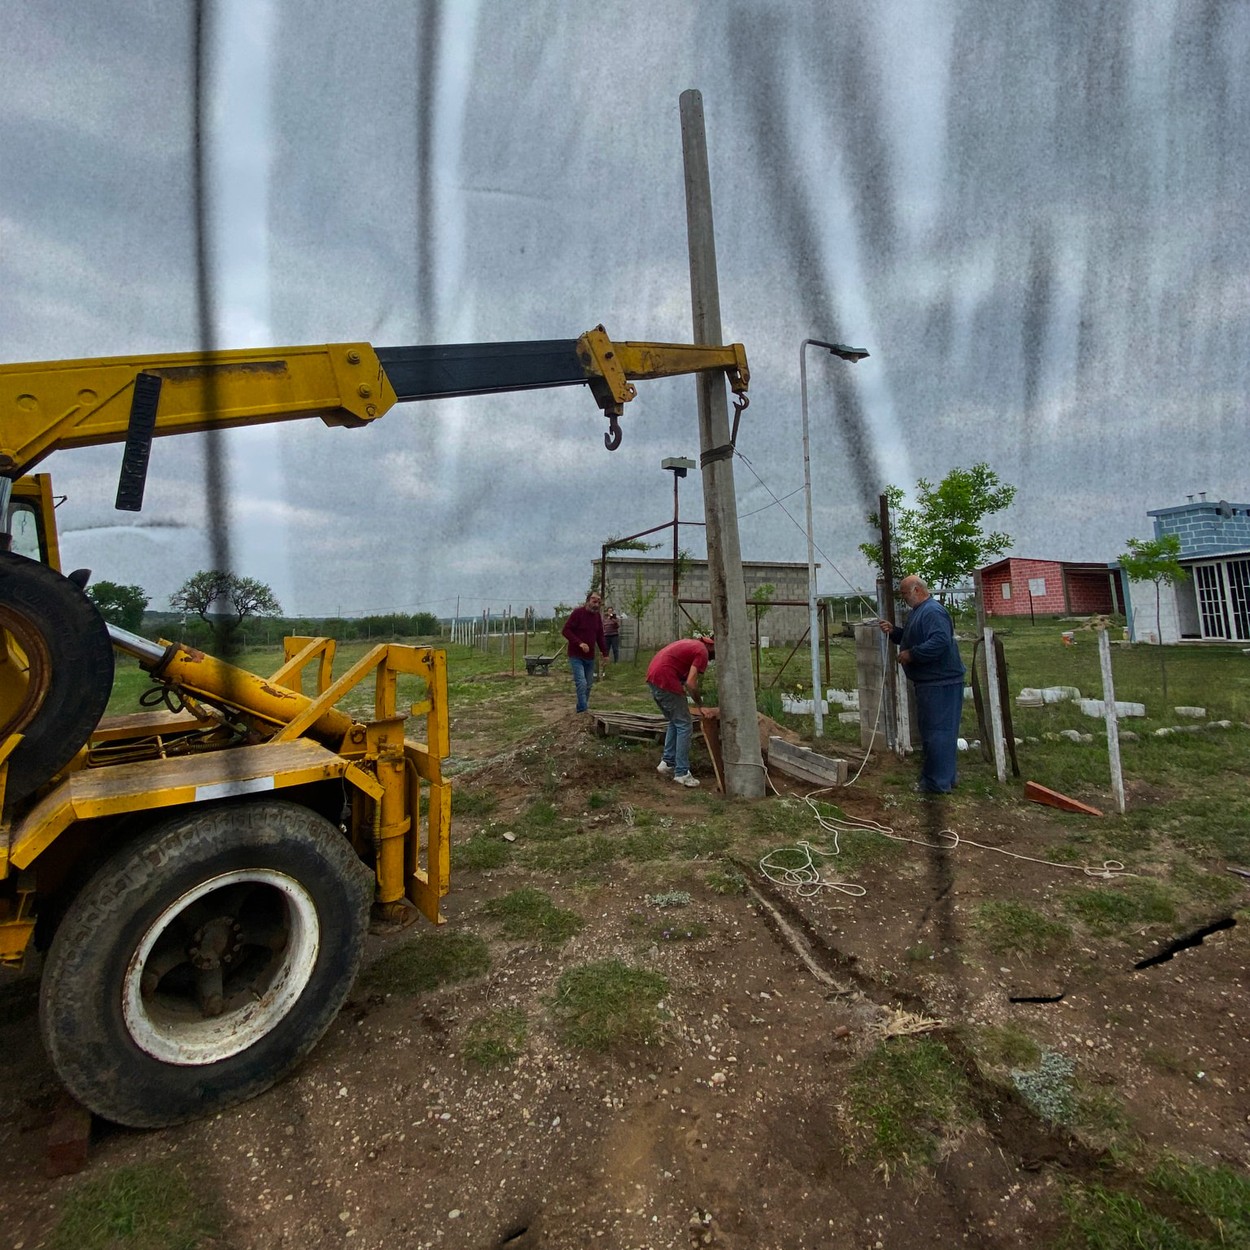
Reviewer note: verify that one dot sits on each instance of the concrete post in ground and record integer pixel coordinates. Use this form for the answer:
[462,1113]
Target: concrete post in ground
[996,707]
[1113,722]
[739,727]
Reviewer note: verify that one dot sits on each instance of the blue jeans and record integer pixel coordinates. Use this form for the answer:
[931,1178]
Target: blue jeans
[938,711]
[583,678]
[677,736]
[614,646]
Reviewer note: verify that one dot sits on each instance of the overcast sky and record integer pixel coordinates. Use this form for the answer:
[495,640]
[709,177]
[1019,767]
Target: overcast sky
[1033,216]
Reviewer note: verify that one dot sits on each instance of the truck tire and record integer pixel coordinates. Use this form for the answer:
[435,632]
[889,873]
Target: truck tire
[202,962]
[56,670]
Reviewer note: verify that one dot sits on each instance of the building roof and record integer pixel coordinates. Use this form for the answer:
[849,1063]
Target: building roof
[1074,566]
[1213,506]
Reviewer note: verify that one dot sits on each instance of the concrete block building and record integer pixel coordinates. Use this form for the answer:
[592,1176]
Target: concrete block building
[785,623]
[1213,603]
[1021,587]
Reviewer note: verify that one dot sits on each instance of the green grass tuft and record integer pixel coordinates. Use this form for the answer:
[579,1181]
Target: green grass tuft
[602,1005]
[496,1038]
[146,1206]
[1180,1206]
[426,961]
[903,1098]
[1108,910]
[484,850]
[1013,927]
[468,802]
[528,914]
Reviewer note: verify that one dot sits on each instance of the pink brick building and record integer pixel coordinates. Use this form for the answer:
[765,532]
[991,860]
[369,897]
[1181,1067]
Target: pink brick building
[1019,587]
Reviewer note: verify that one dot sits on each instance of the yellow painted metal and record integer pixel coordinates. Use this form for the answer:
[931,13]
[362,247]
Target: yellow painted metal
[83,403]
[215,680]
[299,653]
[609,365]
[17,923]
[155,784]
[427,864]
[35,494]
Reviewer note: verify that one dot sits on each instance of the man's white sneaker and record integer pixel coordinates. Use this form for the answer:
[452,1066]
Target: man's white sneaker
[663,769]
[687,779]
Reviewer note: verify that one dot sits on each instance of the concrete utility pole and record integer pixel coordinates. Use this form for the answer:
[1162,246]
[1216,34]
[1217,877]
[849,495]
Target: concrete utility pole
[739,728]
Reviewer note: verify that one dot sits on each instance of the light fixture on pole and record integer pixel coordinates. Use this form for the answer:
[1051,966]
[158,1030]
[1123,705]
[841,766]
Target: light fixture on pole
[853,354]
[678,466]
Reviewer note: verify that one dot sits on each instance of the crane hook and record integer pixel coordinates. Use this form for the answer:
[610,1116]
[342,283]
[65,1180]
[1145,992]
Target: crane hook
[612,439]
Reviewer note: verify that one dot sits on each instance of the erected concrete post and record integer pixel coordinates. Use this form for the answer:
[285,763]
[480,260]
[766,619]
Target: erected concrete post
[739,728]
[1113,721]
[996,707]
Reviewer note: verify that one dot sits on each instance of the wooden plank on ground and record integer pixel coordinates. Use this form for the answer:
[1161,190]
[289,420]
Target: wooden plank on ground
[709,724]
[804,764]
[1052,798]
[640,726]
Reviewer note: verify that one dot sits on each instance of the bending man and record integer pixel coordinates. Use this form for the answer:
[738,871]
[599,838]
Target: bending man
[673,675]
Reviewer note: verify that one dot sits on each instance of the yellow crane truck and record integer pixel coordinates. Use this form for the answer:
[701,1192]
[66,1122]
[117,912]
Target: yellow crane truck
[199,877]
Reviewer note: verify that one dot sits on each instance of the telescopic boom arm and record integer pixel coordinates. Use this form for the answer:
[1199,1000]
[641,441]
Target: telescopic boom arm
[46,407]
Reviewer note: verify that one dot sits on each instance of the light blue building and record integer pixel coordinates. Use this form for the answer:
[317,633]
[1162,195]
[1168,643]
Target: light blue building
[1213,603]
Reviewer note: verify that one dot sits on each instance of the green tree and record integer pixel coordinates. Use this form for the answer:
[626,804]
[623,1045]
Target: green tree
[941,539]
[761,597]
[638,602]
[224,600]
[1155,560]
[119,605]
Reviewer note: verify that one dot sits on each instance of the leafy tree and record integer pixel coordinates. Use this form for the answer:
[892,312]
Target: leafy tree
[1155,560]
[761,596]
[941,539]
[119,605]
[234,598]
[638,602]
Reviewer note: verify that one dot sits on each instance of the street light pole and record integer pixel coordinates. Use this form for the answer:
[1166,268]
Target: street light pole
[678,466]
[853,354]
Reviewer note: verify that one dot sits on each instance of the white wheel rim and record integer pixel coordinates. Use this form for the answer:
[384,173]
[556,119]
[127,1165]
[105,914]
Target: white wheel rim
[189,1041]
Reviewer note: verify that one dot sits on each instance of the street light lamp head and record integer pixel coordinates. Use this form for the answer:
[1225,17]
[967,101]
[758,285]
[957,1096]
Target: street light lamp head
[677,464]
[853,354]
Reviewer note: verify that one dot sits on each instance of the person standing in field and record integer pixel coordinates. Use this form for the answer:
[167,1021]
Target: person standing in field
[930,659]
[612,634]
[584,632]
[673,677]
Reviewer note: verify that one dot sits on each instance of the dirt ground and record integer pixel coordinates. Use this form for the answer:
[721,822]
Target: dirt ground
[730,1130]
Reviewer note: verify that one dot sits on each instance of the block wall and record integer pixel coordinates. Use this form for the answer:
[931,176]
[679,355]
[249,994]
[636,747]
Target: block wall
[1202,530]
[780,624]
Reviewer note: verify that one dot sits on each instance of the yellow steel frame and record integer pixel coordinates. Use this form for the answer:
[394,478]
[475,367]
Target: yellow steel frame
[411,847]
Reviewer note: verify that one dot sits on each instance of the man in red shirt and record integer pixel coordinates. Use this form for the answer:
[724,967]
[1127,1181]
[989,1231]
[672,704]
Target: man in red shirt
[674,674]
[584,631]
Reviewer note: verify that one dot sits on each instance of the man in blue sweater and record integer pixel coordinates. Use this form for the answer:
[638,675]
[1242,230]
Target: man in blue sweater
[930,659]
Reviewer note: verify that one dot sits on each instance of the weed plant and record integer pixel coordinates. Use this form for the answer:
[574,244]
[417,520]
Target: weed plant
[1048,1087]
[600,1006]
[726,883]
